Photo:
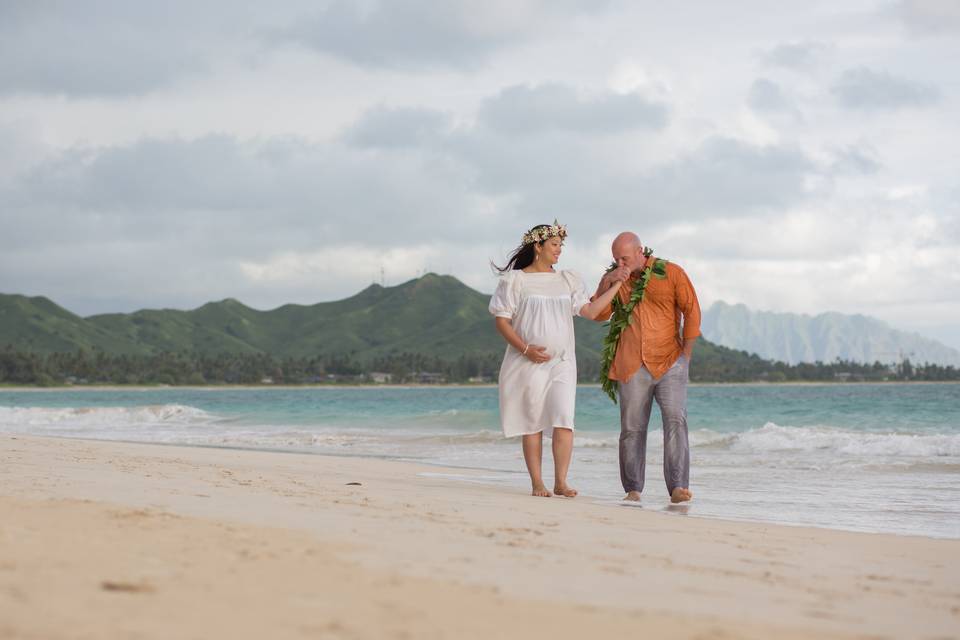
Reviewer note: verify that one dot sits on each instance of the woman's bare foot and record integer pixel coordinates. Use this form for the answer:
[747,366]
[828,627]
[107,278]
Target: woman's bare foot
[681,494]
[564,490]
[540,491]
[632,496]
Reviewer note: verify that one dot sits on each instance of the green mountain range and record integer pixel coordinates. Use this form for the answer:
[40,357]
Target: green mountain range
[434,315]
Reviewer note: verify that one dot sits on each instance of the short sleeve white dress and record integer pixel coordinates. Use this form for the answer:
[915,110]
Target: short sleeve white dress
[539,397]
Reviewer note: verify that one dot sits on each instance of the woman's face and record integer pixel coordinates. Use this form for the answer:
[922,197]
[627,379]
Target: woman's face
[550,251]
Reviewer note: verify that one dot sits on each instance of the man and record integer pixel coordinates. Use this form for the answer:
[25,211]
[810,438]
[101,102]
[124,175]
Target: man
[652,362]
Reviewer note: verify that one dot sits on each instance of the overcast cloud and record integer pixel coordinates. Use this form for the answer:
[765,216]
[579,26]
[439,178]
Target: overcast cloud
[794,159]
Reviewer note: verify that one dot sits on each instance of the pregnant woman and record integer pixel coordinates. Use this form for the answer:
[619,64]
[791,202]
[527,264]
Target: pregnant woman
[534,305]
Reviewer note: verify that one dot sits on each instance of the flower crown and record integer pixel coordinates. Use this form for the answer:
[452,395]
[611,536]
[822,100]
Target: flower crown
[539,234]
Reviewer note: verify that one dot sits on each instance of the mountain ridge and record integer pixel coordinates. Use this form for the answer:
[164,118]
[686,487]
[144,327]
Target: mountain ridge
[434,315]
[798,337]
[433,323]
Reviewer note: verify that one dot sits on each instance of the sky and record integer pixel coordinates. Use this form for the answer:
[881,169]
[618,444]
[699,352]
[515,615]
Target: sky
[792,156]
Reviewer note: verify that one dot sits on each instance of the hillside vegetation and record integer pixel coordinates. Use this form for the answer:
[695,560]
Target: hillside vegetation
[430,325]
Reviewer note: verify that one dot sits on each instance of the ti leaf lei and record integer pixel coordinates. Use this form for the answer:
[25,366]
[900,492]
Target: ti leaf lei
[622,316]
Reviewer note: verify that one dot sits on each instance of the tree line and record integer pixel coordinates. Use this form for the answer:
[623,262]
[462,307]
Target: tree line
[97,367]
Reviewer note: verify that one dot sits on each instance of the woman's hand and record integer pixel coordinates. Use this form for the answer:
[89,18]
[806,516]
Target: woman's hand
[532,352]
[536,354]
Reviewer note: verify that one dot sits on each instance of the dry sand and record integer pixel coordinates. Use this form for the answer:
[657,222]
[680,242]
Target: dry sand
[119,540]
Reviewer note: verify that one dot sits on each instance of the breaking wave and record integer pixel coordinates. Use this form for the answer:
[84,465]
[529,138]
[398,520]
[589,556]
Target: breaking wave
[99,417]
[773,437]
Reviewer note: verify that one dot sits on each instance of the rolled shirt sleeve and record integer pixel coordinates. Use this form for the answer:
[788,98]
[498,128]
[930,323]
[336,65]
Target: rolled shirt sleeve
[689,305]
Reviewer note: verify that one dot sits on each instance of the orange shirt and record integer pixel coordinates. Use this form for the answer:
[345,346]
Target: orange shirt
[653,338]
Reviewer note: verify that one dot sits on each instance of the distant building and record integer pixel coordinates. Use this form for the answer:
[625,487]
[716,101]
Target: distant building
[341,378]
[267,380]
[480,379]
[426,377]
[846,376]
[380,377]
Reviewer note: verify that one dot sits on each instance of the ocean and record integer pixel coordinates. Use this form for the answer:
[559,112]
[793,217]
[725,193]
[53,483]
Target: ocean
[881,458]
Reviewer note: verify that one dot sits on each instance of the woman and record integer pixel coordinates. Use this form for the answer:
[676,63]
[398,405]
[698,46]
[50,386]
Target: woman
[534,307]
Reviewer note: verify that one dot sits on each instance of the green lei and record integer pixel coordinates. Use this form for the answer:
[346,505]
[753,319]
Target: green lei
[622,316]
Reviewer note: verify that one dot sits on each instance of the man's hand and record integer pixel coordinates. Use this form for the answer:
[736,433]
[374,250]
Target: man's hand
[687,349]
[620,274]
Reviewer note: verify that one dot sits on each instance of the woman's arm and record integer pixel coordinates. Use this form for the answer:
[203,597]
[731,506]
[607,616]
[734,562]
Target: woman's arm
[532,352]
[593,309]
[615,275]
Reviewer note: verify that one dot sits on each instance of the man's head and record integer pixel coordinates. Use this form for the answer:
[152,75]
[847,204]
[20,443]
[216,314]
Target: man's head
[627,251]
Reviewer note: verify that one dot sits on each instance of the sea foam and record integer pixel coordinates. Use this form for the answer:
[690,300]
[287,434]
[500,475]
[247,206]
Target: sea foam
[83,417]
[773,437]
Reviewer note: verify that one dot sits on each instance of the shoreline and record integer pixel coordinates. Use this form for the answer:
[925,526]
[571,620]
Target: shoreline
[182,539]
[242,387]
[460,473]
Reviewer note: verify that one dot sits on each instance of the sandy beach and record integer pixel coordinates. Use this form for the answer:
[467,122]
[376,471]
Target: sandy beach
[118,540]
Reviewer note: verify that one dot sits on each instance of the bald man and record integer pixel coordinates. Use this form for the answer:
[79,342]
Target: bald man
[652,363]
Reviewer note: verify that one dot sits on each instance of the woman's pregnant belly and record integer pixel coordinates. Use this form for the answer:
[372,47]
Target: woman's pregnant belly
[547,323]
[556,346]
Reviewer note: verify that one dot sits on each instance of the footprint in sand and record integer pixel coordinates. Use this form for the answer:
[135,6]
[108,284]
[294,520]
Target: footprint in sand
[126,587]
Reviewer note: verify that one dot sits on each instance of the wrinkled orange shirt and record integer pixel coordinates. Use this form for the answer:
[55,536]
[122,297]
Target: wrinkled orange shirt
[653,339]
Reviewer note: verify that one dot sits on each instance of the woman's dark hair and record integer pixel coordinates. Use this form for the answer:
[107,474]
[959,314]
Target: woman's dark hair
[523,256]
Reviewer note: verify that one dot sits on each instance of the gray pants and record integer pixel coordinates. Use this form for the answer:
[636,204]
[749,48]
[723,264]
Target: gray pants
[636,401]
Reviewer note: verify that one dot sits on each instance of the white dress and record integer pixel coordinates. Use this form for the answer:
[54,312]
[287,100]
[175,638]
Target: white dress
[541,306]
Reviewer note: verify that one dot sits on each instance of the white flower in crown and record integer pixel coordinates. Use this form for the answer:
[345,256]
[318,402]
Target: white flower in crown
[541,234]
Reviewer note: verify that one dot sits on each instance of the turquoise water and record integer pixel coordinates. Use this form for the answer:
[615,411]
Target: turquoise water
[881,458]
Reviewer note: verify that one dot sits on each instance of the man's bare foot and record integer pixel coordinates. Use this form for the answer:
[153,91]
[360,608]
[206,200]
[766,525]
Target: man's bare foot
[632,496]
[540,491]
[564,490]
[681,494]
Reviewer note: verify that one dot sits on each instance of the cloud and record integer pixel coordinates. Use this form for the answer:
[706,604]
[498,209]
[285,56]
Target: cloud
[101,49]
[861,159]
[19,150]
[728,177]
[396,128]
[178,222]
[565,176]
[794,55]
[828,257]
[929,17]
[172,153]
[113,48]
[243,196]
[951,207]
[297,269]
[268,219]
[766,95]
[421,34]
[865,89]
[527,109]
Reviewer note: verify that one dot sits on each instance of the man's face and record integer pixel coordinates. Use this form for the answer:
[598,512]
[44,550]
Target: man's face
[629,255]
